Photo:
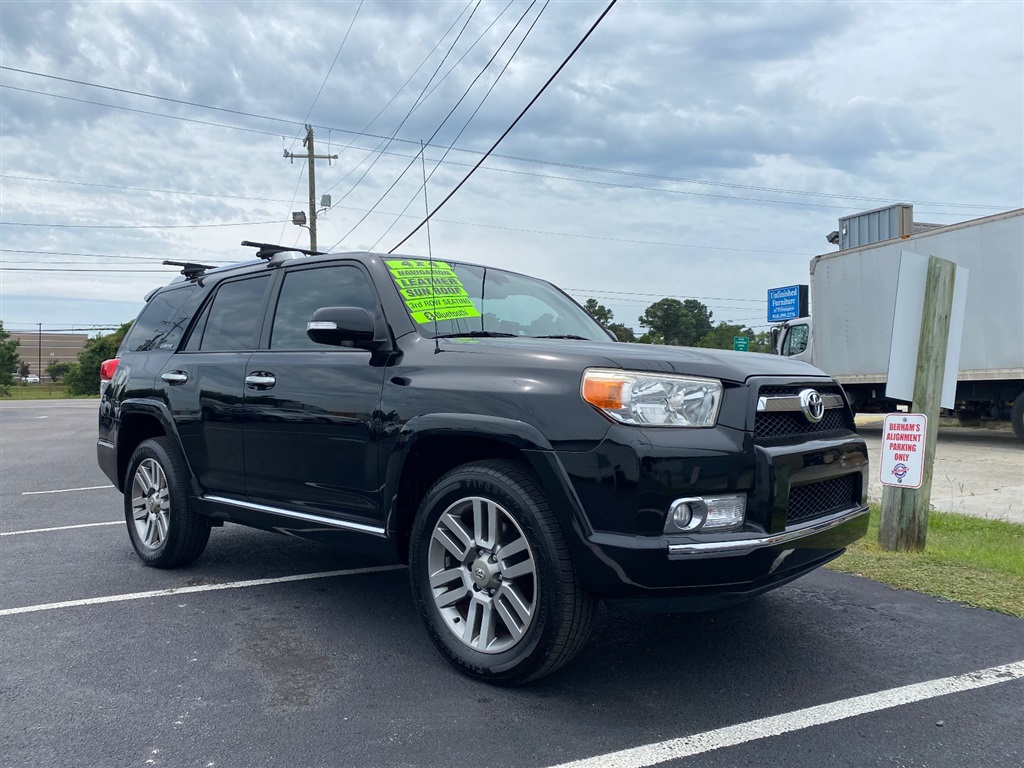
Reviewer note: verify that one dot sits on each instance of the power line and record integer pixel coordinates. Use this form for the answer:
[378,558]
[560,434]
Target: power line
[419,100]
[451,112]
[545,176]
[140,189]
[148,113]
[549,233]
[621,239]
[588,291]
[380,146]
[509,129]
[331,68]
[395,139]
[136,226]
[310,111]
[95,255]
[95,271]
[475,111]
[425,60]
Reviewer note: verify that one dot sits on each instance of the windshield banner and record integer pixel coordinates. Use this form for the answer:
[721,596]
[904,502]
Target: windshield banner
[431,290]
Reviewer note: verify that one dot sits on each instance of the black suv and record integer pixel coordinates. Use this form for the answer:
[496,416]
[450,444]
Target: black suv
[480,426]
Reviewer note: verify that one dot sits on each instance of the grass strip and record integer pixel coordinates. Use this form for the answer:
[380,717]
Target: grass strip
[966,559]
[41,392]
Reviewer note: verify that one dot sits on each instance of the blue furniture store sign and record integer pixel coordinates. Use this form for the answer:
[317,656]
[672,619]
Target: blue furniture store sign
[787,303]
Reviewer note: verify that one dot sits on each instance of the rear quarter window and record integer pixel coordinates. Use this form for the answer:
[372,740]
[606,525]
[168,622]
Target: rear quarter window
[162,321]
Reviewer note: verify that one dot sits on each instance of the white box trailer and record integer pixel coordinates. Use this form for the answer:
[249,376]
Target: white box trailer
[853,302]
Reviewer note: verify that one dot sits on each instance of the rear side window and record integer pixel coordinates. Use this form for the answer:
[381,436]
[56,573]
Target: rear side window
[162,321]
[305,291]
[232,321]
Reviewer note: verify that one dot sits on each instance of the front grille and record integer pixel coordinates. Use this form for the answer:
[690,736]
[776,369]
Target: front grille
[807,502]
[771,424]
[785,423]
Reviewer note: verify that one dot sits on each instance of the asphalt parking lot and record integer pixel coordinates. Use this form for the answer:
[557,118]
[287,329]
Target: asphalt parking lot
[270,651]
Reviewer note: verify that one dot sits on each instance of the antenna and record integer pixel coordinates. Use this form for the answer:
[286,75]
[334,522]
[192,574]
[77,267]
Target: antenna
[430,251]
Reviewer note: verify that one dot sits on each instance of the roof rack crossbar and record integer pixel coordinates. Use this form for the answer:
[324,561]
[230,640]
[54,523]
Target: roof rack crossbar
[270,250]
[189,268]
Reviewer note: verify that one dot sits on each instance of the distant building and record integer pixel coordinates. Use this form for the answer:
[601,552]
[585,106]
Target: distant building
[41,349]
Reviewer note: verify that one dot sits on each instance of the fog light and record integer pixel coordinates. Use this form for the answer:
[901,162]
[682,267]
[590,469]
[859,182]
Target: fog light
[684,515]
[724,512]
[706,513]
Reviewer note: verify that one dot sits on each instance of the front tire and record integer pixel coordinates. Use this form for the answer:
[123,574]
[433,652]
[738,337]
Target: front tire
[165,532]
[492,575]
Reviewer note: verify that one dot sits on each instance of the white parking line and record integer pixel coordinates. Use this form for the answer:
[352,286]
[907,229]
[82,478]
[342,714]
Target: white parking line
[733,735]
[66,490]
[59,528]
[198,588]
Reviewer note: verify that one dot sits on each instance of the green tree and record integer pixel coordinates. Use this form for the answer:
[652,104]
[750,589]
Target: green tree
[599,312]
[83,378]
[57,370]
[721,337]
[9,359]
[680,323]
[604,317]
[622,332]
[24,369]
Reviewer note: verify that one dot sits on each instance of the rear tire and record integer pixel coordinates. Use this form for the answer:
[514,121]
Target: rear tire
[492,576]
[165,532]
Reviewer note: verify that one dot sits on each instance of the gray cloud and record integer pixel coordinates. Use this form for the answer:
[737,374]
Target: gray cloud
[871,100]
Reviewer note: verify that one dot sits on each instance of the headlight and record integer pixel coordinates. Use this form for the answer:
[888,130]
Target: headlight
[633,397]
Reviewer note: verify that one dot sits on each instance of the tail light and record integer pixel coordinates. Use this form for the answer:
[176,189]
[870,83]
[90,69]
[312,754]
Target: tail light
[107,369]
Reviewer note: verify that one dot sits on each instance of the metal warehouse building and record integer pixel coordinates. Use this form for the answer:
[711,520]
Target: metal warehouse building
[41,349]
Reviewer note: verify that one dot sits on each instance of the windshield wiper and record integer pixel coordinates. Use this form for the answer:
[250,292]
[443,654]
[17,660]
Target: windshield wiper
[474,334]
[563,336]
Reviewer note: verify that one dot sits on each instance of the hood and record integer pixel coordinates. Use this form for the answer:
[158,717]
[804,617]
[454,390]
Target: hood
[710,363]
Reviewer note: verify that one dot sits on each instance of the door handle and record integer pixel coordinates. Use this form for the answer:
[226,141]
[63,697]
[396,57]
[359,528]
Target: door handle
[174,378]
[260,380]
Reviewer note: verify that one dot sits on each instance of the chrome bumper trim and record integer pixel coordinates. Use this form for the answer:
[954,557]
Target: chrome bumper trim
[745,546]
[304,516]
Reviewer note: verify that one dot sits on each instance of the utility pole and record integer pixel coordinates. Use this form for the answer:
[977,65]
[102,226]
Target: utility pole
[311,156]
[39,358]
[904,523]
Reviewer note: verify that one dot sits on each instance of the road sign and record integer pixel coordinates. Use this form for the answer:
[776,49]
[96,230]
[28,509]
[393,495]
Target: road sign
[787,303]
[903,439]
[741,343]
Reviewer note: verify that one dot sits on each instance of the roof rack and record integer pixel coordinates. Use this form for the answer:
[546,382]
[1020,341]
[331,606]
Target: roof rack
[189,268]
[269,250]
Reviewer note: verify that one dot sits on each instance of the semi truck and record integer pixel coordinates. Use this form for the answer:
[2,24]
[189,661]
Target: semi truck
[853,302]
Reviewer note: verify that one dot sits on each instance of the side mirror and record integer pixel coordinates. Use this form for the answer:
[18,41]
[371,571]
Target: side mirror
[337,325]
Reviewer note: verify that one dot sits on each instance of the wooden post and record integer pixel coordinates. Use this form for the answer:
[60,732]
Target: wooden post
[312,187]
[904,523]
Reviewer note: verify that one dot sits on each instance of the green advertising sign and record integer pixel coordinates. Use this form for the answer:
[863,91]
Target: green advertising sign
[431,290]
[741,343]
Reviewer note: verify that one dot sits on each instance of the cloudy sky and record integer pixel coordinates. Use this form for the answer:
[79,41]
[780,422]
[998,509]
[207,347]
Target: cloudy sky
[691,149]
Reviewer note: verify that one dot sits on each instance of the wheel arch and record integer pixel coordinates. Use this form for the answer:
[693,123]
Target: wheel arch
[139,421]
[431,446]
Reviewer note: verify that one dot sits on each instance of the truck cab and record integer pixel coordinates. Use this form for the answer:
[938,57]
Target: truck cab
[793,339]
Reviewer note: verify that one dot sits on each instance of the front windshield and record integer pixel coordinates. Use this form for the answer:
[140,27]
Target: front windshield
[483,301]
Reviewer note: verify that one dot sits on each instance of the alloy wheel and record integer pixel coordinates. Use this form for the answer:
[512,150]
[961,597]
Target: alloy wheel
[151,503]
[483,575]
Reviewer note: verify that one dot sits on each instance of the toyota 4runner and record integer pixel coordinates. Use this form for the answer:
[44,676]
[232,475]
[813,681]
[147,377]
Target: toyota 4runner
[480,426]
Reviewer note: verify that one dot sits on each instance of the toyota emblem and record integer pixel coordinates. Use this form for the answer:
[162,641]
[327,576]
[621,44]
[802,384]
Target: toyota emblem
[812,405]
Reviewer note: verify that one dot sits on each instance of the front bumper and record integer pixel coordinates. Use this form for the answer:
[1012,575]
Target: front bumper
[699,575]
[806,502]
[793,537]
